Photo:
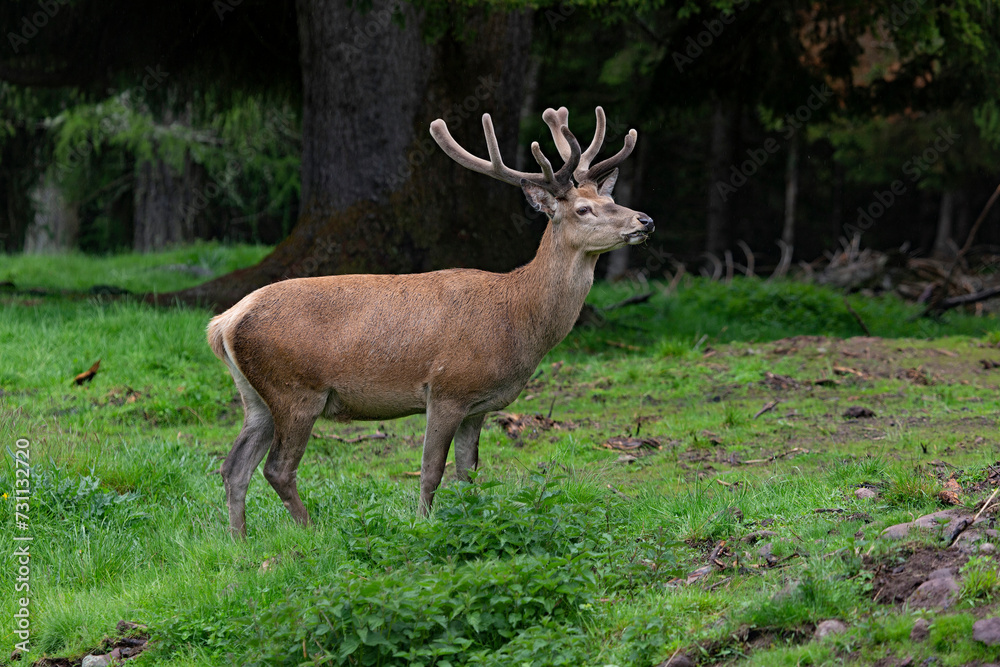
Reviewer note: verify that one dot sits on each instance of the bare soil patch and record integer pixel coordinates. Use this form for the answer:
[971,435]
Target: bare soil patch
[894,580]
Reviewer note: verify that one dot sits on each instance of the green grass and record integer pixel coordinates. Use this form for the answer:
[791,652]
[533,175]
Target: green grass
[559,553]
[156,272]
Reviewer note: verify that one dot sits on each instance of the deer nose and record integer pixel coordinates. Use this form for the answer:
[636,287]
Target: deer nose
[646,222]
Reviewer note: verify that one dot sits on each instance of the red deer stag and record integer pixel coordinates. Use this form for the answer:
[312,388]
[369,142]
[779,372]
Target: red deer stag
[455,344]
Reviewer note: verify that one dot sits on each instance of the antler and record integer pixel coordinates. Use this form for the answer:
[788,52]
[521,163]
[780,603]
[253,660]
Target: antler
[556,119]
[557,183]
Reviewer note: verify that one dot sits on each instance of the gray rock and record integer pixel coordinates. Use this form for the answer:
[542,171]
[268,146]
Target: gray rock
[679,660]
[940,573]
[921,630]
[96,660]
[945,522]
[987,548]
[828,628]
[939,593]
[897,532]
[987,631]
[864,493]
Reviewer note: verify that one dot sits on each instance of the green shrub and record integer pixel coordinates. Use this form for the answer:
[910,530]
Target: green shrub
[431,615]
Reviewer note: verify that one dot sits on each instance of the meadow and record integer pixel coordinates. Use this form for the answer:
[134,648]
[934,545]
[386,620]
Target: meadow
[679,478]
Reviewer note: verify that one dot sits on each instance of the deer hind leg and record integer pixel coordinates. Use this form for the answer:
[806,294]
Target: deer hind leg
[443,420]
[467,446]
[291,435]
[247,451]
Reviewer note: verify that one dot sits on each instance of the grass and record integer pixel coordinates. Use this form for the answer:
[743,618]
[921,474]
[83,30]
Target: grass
[559,553]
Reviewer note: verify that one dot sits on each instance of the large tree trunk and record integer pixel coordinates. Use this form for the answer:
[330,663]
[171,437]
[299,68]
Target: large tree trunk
[166,204]
[378,195]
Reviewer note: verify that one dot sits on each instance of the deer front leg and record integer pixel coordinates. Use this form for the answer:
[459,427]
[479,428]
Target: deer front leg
[467,446]
[443,420]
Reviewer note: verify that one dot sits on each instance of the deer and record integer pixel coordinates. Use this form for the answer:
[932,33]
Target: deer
[455,344]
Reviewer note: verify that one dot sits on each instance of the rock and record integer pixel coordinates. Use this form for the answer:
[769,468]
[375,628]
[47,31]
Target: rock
[987,631]
[939,593]
[679,660]
[968,541]
[987,548]
[946,522]
[921,630]
[940,573]
[96,660]
[765,552]
[864,493]
[897,532]
[828,628]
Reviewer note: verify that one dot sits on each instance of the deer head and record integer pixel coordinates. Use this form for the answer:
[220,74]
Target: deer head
[577,198]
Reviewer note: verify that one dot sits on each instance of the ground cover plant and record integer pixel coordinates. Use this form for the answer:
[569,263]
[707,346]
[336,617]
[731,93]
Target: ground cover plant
[680,478]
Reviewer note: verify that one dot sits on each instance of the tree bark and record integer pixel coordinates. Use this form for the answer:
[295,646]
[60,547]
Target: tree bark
[165,204]
[725,121]
[791,191]
[944,247]
[56,221]
[378,195]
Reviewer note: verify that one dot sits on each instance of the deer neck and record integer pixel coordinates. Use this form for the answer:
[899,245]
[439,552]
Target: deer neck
[552,287]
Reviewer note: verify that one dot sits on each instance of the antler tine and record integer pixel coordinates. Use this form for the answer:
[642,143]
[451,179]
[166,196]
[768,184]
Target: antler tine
[601,168]
[572,161]
[595,146]
[556,183]
[542,161]
[556,120]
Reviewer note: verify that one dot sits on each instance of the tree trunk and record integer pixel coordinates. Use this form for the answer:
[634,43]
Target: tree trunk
[944,247]
[791,191]
[725,121]
[56,222]
[837,203]
[378,195]
[166,210]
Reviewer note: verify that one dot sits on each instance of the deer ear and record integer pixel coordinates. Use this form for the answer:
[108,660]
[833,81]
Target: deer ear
[540,199]
[609,184]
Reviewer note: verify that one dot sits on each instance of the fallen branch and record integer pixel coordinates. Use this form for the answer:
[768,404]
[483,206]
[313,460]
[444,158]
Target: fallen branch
[986,504]
[770,405]
[857,318]
[935,303]
[794,450]
[965,299]
[632,300]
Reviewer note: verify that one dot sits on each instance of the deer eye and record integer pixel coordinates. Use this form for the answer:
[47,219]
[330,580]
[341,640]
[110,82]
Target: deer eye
[583,210]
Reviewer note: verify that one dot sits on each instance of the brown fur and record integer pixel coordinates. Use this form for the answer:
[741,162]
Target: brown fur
[455,344]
